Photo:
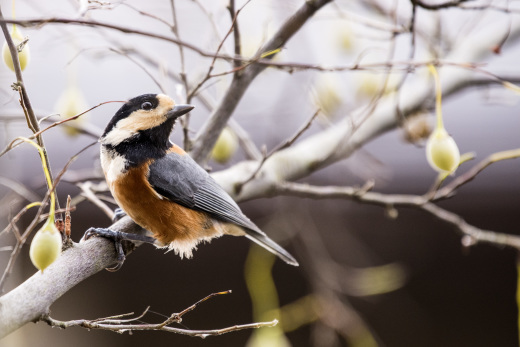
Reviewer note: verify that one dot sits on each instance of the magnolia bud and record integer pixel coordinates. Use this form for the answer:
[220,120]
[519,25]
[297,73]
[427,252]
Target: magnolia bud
[442,151]
[327,96]
[70,103]
[23,56]
[45,246]
[345,37]
[225,146]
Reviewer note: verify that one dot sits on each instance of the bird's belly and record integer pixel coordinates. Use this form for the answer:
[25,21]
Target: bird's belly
[170,222]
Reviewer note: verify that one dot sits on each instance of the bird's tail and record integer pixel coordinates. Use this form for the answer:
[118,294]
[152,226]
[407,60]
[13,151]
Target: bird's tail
[264,241]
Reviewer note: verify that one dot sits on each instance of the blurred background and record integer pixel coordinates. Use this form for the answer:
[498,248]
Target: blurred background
[368,276]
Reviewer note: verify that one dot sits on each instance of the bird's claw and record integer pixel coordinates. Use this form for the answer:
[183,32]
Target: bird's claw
[118,214]
[115,236]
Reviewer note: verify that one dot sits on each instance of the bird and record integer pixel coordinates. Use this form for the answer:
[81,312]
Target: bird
[163,190]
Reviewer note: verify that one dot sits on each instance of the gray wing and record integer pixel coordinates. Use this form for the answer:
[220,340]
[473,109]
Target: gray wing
[180,179]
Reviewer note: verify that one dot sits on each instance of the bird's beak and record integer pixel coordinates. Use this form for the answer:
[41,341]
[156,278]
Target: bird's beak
[179,110]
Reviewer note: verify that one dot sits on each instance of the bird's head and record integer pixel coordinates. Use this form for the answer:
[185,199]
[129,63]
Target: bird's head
[151,116]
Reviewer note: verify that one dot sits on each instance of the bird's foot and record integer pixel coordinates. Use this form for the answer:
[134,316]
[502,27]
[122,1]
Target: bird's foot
[118,237]
[115,236]
[118,214]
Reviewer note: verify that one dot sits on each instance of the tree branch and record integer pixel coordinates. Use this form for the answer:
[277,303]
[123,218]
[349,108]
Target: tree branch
[121,328]
[32,299]
[32,122]
[208,135]
[126,325]
[345,137]
[400,200]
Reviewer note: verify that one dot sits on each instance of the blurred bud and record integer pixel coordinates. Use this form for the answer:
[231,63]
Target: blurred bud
[23,56]
[442,151]
[225,147]
[45,246]
[70,103]
[379,279]
[391,212]
[416,128]
[371,84]
[327,94]
[345,38]
[368,85]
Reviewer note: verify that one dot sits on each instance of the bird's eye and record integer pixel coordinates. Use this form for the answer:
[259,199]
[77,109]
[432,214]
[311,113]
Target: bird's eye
[147,105]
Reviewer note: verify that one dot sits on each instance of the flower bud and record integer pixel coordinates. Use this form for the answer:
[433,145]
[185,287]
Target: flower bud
[23,56]
[225,147]
[345,37]
[327,96]
[45,246]
[70,103]
[442,151]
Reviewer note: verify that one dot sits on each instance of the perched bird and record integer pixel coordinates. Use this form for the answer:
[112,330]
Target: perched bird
[162,188]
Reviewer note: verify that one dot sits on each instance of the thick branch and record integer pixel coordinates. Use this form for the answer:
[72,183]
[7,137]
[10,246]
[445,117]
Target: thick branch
[345,137]
[32,299]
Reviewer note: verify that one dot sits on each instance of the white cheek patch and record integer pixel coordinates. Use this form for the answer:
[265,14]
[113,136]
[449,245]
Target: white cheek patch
[113,165]
[116,136]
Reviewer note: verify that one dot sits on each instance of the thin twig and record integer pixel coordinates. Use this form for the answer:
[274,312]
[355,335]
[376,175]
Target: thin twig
[245,140]
[209,133]
[16,142]
[236,31]
[18,188]
[118,325]
[37,219]
[25,103]
[398,200]
[422,202]
[208,75]
[469,175]
[89,194]
[146,14]
[281,146]
[142,67]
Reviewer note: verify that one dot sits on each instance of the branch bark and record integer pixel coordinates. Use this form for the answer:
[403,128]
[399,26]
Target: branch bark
[32,299]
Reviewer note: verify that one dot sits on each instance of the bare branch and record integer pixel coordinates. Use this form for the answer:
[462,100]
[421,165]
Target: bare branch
[121,328]
[236,31]
[346,136]
[280,147]
[32,299]
[449,189]
[89,195]
[447,4]
[208,135]
[32,122]
[121,325]
[400,200]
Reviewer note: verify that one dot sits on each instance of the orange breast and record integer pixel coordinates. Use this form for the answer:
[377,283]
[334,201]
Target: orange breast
[168,221]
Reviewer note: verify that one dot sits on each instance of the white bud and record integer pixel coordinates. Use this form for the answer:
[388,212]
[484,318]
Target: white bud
[23,56]
[442,151]
[70,103]
[327,94]
[45,246]
[225,147]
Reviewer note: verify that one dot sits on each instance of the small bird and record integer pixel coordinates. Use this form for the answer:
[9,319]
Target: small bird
[162,188]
